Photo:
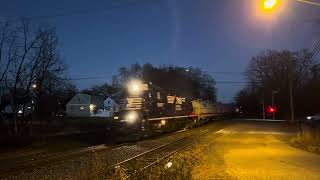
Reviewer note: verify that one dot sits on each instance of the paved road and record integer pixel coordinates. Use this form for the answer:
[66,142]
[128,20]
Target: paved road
[255,150]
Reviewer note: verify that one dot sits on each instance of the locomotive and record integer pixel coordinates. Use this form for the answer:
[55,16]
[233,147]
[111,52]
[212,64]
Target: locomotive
[147,109]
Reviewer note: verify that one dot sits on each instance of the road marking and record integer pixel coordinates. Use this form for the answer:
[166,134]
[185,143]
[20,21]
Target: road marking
[205,130]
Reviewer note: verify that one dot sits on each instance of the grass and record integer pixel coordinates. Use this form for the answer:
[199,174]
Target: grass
[308,139]
[58,129]
[179,166]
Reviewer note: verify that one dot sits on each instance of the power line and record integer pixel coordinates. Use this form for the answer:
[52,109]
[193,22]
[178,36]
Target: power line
[232,82]
[217,82]
[315,50]
[115,5]
[110,76]
[224,72]
[309,2]
[91,78]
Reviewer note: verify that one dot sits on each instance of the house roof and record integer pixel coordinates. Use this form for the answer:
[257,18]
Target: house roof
[96,99]
[117,96]
[81,98]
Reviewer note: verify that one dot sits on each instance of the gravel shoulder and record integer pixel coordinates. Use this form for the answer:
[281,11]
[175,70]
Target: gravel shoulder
[74,167]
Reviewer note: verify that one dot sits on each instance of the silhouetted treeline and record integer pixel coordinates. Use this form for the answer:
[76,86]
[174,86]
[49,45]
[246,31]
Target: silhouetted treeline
[188,82]
[274,72]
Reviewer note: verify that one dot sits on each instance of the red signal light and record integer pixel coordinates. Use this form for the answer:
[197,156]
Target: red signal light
[272,109]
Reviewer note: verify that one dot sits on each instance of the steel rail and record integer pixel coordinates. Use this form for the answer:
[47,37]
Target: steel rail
[157,161]
[147,152]
[186,116]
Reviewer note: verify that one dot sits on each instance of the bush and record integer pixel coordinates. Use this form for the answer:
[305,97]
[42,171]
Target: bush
[309,139]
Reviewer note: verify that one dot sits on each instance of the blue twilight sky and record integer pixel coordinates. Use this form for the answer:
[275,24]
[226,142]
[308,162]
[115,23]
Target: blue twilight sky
[214,35]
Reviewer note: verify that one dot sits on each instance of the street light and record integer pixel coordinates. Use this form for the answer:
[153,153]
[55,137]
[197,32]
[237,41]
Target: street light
[269,4]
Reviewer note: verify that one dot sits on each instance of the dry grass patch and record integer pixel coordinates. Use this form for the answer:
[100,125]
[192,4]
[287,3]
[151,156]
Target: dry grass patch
[179,166]
[308,139]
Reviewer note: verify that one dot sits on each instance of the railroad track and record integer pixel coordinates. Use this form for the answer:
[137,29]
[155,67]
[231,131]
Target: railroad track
[133,165]
[143,161]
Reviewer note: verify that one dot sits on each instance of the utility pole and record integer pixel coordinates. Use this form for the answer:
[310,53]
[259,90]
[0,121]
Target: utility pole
[291,100]
[291,91]
[263,108]
[273,106]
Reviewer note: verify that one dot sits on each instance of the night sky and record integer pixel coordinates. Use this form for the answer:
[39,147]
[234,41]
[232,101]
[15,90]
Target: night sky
[98,37]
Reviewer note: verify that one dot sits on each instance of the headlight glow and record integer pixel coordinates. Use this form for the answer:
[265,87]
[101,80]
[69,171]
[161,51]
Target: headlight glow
[269,4]
[131,117]
[116,117]
[135,87]
[163,122]
[309,117]
[91,107]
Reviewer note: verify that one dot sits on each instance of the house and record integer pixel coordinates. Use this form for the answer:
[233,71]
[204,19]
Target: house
[84,105]
[6,107]
[110,106]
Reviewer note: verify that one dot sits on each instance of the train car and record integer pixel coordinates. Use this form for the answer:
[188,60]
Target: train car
[204,111]
[146,109]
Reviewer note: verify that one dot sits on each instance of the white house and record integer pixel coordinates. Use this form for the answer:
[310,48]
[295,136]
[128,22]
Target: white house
[84,105]
[110,106]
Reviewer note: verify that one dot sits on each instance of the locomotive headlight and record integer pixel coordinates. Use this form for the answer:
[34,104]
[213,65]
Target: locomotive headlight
[92,107]
[163,122]
[135,87]
[131,117]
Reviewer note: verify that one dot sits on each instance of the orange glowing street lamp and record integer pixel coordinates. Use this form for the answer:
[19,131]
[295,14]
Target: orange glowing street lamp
[270,4]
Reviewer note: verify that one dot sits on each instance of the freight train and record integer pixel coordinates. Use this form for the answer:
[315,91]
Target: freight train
[146,109]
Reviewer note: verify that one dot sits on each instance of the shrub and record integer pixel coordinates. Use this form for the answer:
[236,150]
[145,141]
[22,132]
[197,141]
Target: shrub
[309,139]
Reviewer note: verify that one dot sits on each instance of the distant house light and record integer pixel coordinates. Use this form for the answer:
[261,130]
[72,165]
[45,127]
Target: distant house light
[92,106]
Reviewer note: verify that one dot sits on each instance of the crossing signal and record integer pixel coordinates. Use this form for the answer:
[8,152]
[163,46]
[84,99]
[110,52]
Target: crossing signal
[272,109]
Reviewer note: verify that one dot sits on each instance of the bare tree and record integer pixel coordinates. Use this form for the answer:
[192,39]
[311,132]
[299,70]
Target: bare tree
[286,72]
[32,60]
